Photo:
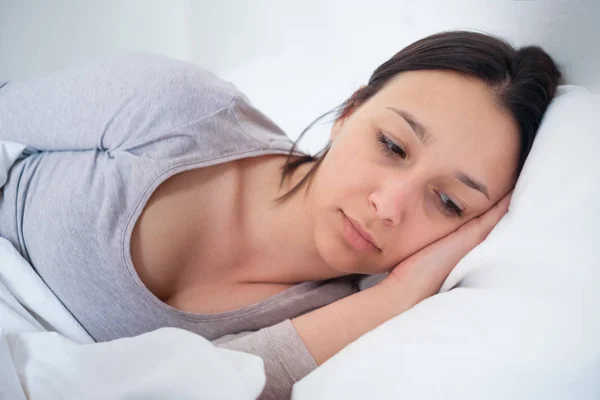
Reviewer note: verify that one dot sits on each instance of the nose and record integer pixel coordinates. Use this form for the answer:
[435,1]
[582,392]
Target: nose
[391,201]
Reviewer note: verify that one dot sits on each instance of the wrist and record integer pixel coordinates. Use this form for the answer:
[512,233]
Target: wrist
[399,292]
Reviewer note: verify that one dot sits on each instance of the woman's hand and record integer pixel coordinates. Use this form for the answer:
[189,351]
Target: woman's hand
[425,271]
[327,330]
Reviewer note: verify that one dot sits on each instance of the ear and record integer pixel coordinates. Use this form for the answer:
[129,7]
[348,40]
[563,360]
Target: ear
[335,129]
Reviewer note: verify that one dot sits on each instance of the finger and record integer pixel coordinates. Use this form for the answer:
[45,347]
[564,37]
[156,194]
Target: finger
[480,227]
[495,213]
[505,201]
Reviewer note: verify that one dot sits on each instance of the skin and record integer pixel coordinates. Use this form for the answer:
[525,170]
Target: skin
[399,200]
[241,247]
[394,199]
[329,329]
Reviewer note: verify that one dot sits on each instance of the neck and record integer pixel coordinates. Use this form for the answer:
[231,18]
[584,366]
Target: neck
[279,244]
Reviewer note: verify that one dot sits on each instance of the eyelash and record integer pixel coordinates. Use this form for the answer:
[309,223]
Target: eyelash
[390,148]
[448,205]
[393,150]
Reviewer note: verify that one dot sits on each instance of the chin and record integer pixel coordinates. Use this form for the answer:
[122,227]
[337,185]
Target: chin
[341,259]
[334,258]
[340,255]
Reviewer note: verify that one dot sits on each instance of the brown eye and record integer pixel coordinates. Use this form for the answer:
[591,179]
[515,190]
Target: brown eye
[448,205]
[389,147]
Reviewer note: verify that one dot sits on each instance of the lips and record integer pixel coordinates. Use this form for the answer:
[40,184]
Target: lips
[362,232]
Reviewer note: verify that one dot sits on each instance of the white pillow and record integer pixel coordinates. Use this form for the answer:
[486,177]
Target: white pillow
[523,321]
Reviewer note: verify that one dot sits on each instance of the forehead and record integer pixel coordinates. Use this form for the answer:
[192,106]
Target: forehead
[468,129]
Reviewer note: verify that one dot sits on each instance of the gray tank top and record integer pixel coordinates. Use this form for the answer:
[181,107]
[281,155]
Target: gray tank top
[104,138]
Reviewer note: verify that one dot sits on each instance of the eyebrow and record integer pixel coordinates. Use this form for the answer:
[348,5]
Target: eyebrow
[424,137]
[472,183]
[415,125]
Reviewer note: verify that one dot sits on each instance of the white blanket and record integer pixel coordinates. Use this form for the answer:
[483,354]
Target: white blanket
[46,354]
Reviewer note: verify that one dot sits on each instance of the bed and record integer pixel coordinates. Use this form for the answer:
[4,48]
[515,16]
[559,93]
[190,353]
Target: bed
[516,319]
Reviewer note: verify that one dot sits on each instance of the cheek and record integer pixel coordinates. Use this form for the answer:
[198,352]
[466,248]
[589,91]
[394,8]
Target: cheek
[344,172]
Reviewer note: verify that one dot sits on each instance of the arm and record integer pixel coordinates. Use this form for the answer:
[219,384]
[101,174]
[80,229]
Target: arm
[286,358]
[118,104]
[329,329]
[291,350]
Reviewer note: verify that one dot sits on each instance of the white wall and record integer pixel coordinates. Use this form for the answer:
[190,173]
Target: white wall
[295,59]
[37,36]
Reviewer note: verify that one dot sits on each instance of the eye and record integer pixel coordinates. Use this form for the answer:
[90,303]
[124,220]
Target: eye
[389,147]
[448,205]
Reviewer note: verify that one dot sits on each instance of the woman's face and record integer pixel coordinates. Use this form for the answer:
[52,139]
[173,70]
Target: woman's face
[427,153]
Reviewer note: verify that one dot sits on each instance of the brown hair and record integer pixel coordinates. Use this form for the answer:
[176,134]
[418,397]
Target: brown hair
[523,80]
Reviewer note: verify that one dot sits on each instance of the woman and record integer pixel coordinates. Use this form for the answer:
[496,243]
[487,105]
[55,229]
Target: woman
[158,196]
